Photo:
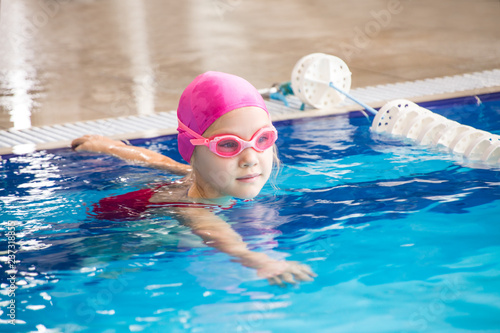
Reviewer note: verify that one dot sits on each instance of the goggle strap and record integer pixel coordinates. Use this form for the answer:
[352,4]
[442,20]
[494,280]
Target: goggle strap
[190,131]
[198,142]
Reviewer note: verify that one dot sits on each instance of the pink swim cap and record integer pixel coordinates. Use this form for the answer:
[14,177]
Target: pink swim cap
[207,98]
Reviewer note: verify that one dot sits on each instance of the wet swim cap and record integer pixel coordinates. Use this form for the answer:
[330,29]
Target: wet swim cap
[207,98]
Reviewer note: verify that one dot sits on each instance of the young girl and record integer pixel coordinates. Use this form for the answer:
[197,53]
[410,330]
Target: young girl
[226,136]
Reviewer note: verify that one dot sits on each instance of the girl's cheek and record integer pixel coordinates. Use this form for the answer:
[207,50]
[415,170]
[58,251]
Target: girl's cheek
[269,160]
[224,172]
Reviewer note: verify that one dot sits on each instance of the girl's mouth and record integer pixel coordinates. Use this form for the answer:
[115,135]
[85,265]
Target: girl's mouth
[248,178]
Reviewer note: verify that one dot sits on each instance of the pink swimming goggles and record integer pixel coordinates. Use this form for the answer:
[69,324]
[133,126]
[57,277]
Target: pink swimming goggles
[228,145]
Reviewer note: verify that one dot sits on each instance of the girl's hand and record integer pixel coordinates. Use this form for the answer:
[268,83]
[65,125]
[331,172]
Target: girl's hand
[95,143]
[279,272]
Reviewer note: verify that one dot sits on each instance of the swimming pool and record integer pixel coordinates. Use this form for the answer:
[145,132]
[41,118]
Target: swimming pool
[403,239]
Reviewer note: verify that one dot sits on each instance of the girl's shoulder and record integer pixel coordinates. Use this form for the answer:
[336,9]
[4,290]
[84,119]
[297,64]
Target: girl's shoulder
[176,195]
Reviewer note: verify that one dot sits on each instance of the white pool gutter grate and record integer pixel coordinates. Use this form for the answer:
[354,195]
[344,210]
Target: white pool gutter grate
[164,123]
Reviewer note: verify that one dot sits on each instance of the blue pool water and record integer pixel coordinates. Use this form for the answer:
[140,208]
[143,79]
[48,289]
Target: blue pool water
[403,239]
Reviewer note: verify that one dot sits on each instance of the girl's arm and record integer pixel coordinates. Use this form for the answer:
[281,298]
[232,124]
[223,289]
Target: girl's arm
[102,144]
[218,234]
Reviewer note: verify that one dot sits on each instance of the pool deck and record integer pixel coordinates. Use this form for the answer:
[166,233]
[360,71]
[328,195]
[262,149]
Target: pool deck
[118,67]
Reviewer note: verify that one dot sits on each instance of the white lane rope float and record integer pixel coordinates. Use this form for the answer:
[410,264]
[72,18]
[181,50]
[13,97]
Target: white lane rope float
[323,81]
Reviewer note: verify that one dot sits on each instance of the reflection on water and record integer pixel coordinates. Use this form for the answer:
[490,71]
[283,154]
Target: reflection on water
[135,38]
[109,58]
[18,77]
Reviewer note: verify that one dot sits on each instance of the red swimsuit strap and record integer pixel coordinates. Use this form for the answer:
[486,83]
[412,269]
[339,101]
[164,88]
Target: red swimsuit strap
[133,204]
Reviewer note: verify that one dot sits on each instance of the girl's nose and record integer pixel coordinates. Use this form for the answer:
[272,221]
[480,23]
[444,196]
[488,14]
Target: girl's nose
[248,158]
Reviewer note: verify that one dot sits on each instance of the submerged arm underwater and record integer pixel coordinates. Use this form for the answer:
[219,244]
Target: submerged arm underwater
[218,234]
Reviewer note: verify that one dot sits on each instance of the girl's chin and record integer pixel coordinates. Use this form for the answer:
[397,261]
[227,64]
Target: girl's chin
[247,194]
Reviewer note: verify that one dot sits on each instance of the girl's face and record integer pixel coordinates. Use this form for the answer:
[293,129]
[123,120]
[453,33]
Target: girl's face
[241,176]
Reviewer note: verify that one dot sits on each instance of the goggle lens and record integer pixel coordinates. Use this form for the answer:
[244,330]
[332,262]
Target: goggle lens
[228,147]
[265,140]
